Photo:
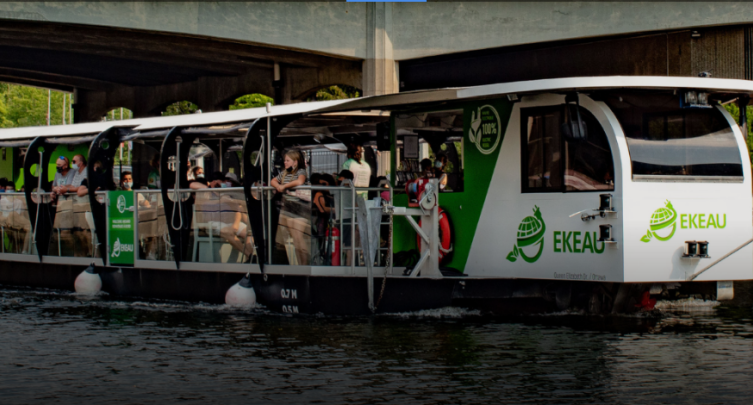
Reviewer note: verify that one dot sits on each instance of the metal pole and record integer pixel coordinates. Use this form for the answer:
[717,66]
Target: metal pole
[269,182]
[63,110]
[352,229]
[49,95]
[70,109]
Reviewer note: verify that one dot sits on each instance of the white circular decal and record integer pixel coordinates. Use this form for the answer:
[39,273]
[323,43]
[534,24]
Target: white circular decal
[486,128]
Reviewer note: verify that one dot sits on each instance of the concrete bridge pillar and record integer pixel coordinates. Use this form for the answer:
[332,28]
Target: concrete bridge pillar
[379,68]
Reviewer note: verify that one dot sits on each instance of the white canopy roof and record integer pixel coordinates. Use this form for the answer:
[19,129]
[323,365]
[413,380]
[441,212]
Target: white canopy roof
[386,102]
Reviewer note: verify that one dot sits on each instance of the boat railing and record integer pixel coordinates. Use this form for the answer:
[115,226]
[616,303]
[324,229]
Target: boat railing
[221,231]
[73,230]
[15,227]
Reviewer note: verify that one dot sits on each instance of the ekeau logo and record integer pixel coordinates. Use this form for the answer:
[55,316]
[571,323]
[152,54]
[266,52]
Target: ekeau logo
[530,237]
[664,222]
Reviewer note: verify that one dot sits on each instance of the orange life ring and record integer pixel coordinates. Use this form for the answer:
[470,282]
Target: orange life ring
[445,237]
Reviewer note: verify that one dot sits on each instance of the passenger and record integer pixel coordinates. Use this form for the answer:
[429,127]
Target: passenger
[360,169]
[323,200]
[344,175]
[324,212]
[293,215]
[196,173]
[232,180]
[63,177]
[382,182]
[153,181]
[427,171]
[294,173]
[126,184]
[79,170]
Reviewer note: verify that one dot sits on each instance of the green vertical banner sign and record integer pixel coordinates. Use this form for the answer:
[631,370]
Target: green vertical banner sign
[120,225]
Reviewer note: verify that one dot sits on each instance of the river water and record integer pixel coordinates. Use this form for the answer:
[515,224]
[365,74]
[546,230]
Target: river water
[56,348]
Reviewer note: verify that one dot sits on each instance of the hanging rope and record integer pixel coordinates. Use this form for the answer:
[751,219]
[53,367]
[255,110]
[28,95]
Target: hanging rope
[176,191]
[39,197]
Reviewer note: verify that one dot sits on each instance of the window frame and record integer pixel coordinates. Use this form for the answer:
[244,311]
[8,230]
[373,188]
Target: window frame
[525,113]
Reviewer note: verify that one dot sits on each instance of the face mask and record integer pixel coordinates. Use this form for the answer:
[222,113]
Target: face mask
[438,164]
[59,169]
[2,190]
[128,184]
[74,166]
[199,176]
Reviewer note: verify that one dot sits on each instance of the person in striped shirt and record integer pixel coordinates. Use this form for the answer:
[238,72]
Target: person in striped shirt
[294,174]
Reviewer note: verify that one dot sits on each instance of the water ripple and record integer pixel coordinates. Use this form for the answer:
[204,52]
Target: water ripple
[58,348]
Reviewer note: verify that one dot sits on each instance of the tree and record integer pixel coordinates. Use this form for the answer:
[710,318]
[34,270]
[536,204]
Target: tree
[339,92]
[181,108]
[24,106]
[251,101]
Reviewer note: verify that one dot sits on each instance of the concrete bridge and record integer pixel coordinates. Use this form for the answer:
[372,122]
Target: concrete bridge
[146,55]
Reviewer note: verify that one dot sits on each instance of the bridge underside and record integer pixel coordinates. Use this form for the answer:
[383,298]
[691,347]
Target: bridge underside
[146,71]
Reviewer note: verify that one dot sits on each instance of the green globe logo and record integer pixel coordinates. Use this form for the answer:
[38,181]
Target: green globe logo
[663,224]
[530,237]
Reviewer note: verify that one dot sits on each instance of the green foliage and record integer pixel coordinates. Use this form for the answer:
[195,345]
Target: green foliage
[734,110]
[23,106]
[181,108]
[117,114]
[251,101]
[337,93]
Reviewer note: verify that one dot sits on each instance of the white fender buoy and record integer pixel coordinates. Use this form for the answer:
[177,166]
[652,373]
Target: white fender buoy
[88,282]
[241,294]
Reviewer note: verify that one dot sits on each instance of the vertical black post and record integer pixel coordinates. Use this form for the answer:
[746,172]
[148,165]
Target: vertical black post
[41,225]
[177,213]
[102,154]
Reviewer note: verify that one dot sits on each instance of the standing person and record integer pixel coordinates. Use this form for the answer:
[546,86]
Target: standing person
[360,169]
[63,177]
[291,220]
[153,181]
[294,173]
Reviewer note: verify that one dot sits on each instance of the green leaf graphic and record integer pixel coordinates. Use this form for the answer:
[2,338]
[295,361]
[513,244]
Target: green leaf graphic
[647,237]
[512,257]
[515,250]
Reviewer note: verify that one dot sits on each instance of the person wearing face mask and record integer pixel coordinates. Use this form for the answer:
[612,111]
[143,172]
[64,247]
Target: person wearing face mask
[63,176]
[126,184]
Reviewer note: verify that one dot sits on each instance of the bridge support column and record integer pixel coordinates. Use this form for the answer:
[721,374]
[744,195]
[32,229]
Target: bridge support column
[379,68]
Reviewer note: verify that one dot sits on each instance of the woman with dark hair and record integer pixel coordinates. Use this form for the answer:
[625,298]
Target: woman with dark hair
[360,169]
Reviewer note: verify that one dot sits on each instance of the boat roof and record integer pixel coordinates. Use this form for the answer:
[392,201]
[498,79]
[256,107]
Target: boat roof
[546,85]
[365,105]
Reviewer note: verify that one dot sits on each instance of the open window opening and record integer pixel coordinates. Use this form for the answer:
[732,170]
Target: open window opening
[430,145]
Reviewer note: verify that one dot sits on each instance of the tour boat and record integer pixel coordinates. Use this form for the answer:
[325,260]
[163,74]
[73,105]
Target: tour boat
[592,194]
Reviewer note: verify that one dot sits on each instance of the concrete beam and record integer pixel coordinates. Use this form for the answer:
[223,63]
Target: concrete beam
[379,70]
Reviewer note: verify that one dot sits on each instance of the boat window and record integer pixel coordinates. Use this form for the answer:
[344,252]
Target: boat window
[436,137]
[666,140]
[551,163]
